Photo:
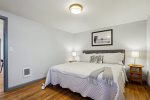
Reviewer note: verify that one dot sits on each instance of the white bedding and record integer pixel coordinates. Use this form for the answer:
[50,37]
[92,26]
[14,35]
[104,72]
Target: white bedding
[75,77]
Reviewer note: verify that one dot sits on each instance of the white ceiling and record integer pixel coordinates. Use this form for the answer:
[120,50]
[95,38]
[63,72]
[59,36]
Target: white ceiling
[96,13]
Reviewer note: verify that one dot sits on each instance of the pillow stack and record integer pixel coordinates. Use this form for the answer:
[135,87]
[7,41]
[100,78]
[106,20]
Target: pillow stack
[108,58]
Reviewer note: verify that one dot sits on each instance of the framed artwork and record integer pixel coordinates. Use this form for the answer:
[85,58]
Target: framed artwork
[102,38]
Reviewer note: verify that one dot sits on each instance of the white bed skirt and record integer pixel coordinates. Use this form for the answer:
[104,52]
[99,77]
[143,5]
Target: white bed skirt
[102,91]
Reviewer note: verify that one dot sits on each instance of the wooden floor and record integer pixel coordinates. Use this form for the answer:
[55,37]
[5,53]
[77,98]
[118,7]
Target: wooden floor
[34,92]
[1,82]
[134,91]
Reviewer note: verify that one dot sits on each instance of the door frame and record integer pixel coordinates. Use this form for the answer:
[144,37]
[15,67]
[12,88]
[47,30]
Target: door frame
[5,47]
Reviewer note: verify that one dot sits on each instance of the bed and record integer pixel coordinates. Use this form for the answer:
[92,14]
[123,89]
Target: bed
[75,76]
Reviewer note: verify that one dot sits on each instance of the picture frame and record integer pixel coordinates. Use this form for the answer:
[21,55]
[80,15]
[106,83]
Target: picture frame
[102,38]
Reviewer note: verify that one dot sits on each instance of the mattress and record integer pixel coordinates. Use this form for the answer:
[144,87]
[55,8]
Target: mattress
[75,76]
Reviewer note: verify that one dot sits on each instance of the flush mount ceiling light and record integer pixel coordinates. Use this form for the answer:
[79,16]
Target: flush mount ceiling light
[76,8]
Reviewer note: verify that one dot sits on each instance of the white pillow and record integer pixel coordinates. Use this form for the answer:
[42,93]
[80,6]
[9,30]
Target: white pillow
[85,57]
[113,58]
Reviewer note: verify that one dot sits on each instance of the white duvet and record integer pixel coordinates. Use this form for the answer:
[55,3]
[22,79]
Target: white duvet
[75,77]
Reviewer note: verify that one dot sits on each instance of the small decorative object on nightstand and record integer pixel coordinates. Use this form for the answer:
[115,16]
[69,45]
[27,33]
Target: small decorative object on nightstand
[136,72]
[72,61]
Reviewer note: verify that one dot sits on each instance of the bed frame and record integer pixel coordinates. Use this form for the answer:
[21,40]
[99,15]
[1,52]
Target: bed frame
[106,51]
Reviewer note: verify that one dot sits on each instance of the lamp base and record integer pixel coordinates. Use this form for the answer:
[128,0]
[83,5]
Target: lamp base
[134,61]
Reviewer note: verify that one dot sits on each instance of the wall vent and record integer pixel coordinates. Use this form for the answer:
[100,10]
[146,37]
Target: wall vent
[26,72]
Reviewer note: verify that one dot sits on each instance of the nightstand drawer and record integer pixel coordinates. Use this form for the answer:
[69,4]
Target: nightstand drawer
[135,73]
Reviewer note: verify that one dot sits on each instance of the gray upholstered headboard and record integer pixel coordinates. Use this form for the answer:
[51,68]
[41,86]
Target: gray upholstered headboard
[106,51]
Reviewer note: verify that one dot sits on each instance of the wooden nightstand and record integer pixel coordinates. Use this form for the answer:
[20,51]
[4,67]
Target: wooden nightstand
[136,72]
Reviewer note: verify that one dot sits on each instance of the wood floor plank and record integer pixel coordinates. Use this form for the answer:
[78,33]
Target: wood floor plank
[135,91]
[34,92]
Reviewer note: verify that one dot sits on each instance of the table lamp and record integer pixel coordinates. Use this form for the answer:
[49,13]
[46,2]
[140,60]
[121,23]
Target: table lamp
[74,54]
[135,54]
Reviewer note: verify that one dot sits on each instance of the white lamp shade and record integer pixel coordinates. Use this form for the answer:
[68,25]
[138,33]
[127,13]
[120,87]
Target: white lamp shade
[74,54]
[135,54]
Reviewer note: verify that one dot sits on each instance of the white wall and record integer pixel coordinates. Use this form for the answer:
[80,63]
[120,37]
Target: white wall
[148,49]
[1,37]
[131,36]
[33,45]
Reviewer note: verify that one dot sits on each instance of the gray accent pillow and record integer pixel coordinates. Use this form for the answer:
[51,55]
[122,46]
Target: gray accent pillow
[100,60]
[93,59]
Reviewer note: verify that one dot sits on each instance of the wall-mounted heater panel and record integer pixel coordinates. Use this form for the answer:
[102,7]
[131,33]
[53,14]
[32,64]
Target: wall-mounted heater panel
[26,72]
